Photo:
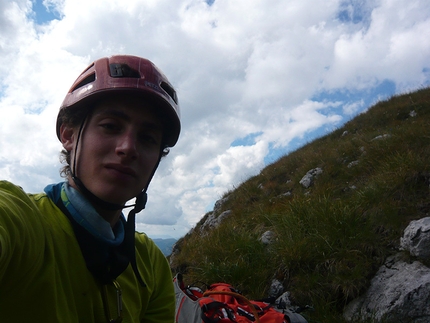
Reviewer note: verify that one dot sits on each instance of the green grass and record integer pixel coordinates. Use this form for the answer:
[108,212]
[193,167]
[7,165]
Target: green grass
[332,237]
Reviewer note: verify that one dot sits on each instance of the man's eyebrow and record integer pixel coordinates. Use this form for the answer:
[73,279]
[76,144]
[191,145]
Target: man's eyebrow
[122,115]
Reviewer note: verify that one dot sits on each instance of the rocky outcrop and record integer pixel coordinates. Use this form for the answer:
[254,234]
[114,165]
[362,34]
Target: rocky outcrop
[213,221]
[400,291]
[308,179]
[416,239]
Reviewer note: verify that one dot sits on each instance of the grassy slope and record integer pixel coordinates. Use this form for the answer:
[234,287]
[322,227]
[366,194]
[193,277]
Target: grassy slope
[332,237]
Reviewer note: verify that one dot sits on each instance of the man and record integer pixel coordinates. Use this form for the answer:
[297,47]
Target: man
[68,254]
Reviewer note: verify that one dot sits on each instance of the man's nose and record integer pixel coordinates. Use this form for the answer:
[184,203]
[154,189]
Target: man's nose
[127,146]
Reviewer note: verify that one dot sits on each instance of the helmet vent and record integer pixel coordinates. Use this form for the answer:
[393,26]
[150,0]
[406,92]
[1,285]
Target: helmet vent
[90,78]
[170,91]
[122,70]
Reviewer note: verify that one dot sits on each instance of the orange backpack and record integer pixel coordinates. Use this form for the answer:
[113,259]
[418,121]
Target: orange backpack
[221,303]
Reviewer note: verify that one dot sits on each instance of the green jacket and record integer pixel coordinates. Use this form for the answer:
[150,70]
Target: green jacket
[43,275]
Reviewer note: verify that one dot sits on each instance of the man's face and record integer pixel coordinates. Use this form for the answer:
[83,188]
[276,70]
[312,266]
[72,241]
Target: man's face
[118,150]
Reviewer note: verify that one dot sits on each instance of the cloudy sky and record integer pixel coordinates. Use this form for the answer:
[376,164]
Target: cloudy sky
[255,79]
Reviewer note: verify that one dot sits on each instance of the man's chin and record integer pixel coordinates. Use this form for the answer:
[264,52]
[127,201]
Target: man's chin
[114,198]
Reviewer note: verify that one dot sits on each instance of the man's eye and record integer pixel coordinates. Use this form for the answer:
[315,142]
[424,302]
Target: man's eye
[109,126]
[148,138]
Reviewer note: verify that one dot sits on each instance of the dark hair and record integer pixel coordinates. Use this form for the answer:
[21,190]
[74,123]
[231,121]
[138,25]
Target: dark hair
[74,118]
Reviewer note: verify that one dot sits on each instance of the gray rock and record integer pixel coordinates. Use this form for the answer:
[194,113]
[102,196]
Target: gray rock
[221,217]
[353,163]
[267,237]
[208,222]
[219,204]
[400,292]
[276,288]
[284,300]
[384,136]
[213,221]
[308,179]
[416,238]
[280,196]
[286,194]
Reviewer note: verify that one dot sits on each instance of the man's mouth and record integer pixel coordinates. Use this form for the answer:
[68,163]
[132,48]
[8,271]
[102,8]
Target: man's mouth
[122,169]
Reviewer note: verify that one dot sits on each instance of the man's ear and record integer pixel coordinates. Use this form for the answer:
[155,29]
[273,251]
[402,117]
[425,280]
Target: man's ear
[67,137]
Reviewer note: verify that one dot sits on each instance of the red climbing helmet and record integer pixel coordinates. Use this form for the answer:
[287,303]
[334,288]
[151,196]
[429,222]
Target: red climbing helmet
[131,76]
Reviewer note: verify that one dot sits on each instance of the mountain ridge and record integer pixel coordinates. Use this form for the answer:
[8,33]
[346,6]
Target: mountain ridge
[165,245]
[368,180]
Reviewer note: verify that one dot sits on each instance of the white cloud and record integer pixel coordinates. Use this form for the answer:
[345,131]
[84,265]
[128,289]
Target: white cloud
[240,68]
[353,108]
[394,45]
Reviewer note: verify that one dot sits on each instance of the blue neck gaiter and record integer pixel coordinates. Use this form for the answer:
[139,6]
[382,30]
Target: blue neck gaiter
[84,214]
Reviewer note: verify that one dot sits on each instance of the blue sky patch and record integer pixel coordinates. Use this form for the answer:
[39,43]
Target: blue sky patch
[42,14]
[297,142]
[382,91]
[353,11]
[248,140]
[426,72]
[276,153]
